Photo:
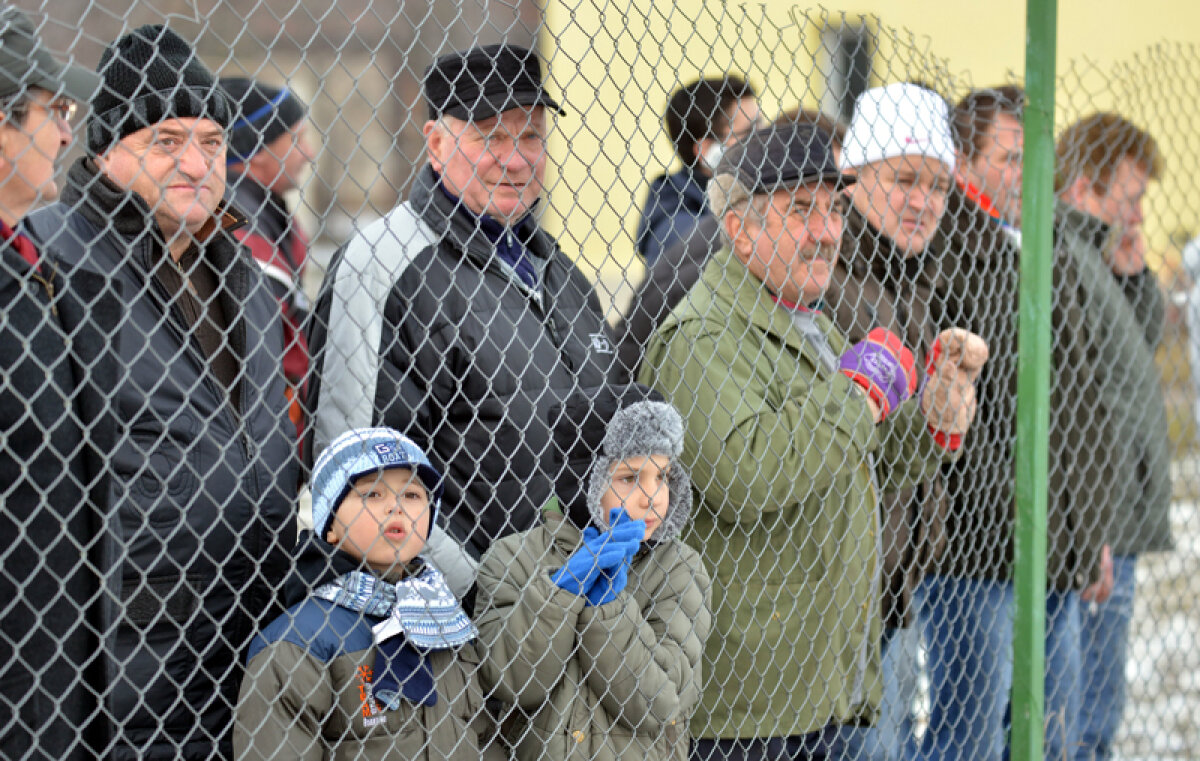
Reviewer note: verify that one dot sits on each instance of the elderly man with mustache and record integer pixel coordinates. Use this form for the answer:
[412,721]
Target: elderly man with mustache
[791,432]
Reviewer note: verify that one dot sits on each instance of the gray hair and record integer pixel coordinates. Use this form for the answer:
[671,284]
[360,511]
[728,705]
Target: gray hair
[726,193]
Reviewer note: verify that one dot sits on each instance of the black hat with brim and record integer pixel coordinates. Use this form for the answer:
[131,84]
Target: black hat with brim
[483,82]
[783,156]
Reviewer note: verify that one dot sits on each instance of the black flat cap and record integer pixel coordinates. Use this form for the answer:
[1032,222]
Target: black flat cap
[482,82]
[783,156]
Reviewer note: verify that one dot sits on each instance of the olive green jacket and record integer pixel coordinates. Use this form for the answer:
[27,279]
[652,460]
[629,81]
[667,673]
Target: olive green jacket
[781,450]
[616,681]
[1124,316]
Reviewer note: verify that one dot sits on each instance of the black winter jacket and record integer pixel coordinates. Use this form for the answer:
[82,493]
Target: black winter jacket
[199,520]
[421,327]
[56,370]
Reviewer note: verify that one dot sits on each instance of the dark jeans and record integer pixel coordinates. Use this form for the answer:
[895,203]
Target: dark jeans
[823,744]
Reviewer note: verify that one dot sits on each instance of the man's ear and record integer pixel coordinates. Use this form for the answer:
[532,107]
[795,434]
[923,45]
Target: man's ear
[735,228]
[1078,192]
[434,144]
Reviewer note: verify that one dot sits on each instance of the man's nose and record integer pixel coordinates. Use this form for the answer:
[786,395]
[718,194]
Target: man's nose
[193,162]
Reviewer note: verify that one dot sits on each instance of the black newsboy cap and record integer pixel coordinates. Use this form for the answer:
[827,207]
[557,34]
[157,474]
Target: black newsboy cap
[782,156]
[484,81]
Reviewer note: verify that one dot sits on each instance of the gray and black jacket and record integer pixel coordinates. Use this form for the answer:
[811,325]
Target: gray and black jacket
[420,326]
[198,519]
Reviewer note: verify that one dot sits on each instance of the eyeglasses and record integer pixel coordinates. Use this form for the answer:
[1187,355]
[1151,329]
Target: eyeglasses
[63,110]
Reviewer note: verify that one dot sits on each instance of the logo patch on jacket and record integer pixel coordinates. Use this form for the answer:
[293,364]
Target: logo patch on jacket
[372,713]
[601,344]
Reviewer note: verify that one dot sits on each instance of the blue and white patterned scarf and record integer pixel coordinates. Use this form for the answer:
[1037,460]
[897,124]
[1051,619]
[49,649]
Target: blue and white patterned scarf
[420,607]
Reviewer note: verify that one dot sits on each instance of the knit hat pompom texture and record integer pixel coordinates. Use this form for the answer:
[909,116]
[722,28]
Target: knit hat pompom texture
[644,429]
[148,76]
[360,452]
[900,119]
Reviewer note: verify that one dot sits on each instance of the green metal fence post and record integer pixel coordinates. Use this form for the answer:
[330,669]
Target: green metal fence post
[1033,388]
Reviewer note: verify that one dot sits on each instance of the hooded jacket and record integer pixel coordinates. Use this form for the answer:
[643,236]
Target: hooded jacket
[788,519]
[58,370]
[199,515]
[421,327]
[614,681]
[874,285]
[307,693]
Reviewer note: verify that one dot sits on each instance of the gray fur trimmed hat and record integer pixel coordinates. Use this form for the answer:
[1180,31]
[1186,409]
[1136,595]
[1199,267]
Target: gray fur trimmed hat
[644,429]
[148,76]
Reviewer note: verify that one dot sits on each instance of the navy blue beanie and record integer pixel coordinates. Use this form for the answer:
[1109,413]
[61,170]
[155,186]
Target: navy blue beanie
[261,114]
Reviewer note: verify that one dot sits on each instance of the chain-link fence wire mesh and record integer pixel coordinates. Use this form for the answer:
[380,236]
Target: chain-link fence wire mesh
[154,430]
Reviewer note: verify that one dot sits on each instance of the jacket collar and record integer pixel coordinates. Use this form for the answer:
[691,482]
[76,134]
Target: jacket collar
[1069,220]
[446,216]
[743,293]
[866,250]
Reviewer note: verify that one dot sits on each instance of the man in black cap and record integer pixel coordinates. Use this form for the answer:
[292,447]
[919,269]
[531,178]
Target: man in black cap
[48,421]
[456,318]
[269,152]
[791,431]
[191,537]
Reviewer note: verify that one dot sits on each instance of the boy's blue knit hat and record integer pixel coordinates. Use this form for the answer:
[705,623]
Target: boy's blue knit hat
[357,453]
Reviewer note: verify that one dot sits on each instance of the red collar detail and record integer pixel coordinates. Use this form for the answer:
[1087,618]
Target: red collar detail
[23,245]
[980,198]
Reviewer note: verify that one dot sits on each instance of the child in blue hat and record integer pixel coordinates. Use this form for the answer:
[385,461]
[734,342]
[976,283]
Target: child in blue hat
[377,661]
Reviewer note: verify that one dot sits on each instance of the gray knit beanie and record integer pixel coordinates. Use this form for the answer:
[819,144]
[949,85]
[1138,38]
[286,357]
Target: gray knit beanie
[641,430]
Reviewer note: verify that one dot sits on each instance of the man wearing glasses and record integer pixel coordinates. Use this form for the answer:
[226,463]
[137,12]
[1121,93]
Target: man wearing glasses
[46,456]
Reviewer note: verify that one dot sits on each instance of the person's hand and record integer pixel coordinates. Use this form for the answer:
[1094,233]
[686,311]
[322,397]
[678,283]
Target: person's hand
[882,366]
[628,534]
[1102,589]
[608,585]
[601,551]
[948,398]
[584,565]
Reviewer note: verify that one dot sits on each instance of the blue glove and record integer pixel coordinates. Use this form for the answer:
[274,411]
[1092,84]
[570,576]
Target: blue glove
[608,586]
[627,534]
[583,567]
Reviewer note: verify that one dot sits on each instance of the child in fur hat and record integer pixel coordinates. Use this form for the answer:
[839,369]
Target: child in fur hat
[594,622]
[376,662]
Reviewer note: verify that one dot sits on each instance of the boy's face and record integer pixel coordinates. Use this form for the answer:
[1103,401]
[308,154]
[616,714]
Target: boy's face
[384,519]
[639,484]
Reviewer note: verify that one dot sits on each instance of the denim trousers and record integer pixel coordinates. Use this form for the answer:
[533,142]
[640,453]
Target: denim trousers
[967,626]
[1105,637]
[1063,667]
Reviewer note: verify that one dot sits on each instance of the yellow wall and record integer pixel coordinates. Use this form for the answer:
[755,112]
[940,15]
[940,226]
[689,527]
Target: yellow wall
[615,64]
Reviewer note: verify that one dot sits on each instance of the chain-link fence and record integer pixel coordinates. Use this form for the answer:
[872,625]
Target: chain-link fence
[262,228]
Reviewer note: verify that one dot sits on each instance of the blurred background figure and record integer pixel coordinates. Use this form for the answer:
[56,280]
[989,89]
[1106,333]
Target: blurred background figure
[269,155]
[703,119]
